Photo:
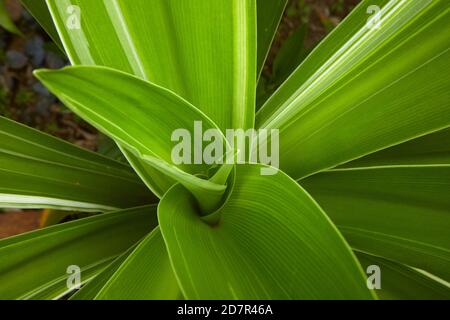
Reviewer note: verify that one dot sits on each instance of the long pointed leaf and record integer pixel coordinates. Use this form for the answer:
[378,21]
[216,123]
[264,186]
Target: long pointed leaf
[39,9]
[219,77]
[5,20]
[93,286]
[400,213]
[39,258]
[39,171]
[271,241]
[400,282]
[104,97]
[205,51]
[145,274]
[269,14]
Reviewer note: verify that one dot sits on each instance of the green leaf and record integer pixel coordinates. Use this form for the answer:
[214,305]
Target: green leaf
[93,286]
[31,262]
[39,10]
[40,171]
[100,95]
[5,20]
[155,180]
[291,53]
[430,149]
[364,89]
[204,51]
[400,213]
[400,282]
[143,272]
[57,289]
[269,15]
[146,274]
[272,241]
[154,40]
[109,148]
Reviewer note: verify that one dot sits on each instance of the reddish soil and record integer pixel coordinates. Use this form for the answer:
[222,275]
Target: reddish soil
[13,223]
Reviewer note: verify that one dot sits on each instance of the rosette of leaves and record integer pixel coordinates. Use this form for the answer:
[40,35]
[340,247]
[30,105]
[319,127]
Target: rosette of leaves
[364,157]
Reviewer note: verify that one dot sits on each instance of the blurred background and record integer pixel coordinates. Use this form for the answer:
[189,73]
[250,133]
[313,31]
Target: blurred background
[24,46]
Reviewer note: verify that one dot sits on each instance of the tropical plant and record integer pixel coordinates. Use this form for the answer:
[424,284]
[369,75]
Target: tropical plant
[364,150]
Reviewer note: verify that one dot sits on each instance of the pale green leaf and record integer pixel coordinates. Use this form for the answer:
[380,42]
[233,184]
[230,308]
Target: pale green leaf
[105,97]
[364,89]
[146,274]
[39,10]
[93,286]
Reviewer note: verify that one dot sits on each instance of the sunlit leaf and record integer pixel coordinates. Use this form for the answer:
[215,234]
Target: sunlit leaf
[268,15]
[400,213]
[430,149]
[40,171]
[364,89]
[271,241]
[5,19]
[29,263]
[146,273]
